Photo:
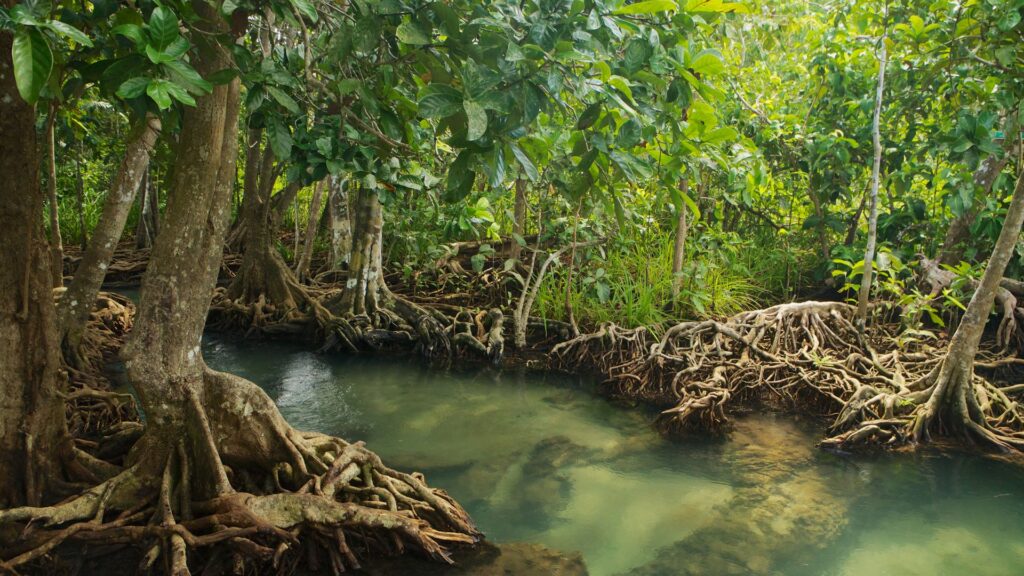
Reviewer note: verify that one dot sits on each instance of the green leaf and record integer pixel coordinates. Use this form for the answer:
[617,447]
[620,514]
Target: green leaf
[280,139]
[282,98]
[132,32]
[647,7]
[716,6]
[69,31]
[180,94]
[708,63]
[476,117]
[439,101]
[158,90]
[163,28]
[589,116]
[409,33]
[306,9]
[460,178]
[185,75]
[133,87]
[33,62]
[525,162]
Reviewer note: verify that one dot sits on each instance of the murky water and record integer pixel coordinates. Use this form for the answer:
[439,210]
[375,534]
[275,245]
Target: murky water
[539,458]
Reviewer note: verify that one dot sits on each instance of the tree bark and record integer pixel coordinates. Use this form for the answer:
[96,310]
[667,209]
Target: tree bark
[876,139]
[959,230]
[341,223]
[31,410]
[519,219]
[77,302]
[679,250]
[56,243]
[362,293]
[312,225]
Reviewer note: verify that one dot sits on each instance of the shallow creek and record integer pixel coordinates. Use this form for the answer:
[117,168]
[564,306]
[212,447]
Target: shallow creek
[540,458]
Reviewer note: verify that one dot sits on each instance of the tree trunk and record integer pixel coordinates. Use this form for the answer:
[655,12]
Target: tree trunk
[31,410]
[341,223]
[143,236]
[876,139]
[679,250]
[519,219]
[362,293]
[77,302]
[80,194]
[954,402]
[56,243]
[959,230]
[312,225]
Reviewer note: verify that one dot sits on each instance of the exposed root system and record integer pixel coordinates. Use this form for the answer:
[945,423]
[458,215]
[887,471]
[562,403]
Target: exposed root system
[805,356]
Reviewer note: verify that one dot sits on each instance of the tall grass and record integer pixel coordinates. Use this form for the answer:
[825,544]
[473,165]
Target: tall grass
[722,275]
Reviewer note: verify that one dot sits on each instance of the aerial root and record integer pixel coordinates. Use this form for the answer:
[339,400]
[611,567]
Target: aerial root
[804,355]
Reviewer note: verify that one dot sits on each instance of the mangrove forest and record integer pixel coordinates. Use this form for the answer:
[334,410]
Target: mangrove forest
[511,287]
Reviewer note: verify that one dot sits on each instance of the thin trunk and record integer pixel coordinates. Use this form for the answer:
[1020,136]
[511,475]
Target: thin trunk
[143,238]
[572,266]
[519,219]
[851,230]
[341,223]
[77,302]
[819,213]
[56,244]
[31,410]
[679,250]
[80,194]
[954,400]
[959,230]
[876,139]
[312,225]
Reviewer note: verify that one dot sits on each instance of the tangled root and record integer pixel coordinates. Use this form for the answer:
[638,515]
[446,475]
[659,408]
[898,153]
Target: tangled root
[247,489]
[804,354]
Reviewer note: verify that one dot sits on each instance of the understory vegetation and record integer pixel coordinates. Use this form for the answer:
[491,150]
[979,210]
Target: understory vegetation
[713,205]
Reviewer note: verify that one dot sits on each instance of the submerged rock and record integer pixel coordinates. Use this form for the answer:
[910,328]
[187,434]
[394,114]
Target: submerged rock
[783,511]
[487,559]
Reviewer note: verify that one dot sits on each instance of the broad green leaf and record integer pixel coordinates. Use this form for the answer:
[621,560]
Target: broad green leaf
[180,94]
[306,9]
[439,101]
[476,118]
[163,28]
[409,33]
[33,62]
[69,31]
[158,90]
[647,7]
[133,88]
[460,178]
[132,32]
[282,98]
[622,85]
[280,139]
[185,75]
[708,63]
[716,6]
[524,160]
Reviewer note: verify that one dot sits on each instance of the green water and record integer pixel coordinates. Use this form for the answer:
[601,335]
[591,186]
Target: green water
[540,458]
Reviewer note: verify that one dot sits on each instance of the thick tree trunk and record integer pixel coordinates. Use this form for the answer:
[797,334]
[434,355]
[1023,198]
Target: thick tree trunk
[56,243]
[31,410]
[362,293]
[143,237]
[876,139]
[341,223]
[77,302]
[519,219]
[679,249]
[312,225]
[959,230]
